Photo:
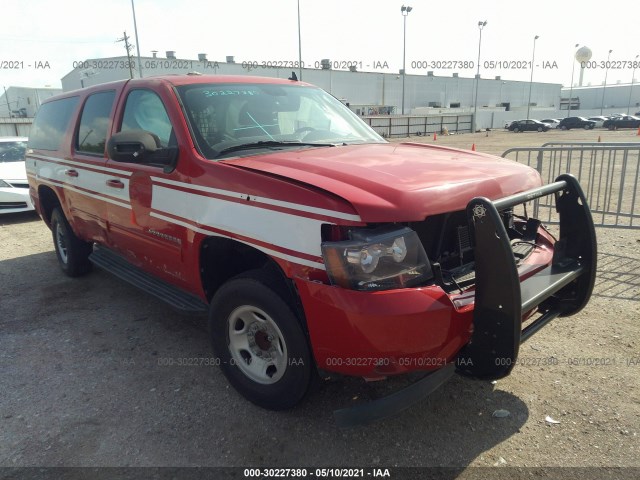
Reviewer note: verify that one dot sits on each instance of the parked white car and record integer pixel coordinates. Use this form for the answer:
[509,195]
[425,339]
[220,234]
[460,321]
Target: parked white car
[14,189]
[552,122]
[599,120]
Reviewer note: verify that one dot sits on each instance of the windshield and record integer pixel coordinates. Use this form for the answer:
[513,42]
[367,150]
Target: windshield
[12,151]
[225,117]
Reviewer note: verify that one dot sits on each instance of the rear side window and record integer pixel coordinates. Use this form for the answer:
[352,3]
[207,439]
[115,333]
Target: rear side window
[94,123]
[51,123]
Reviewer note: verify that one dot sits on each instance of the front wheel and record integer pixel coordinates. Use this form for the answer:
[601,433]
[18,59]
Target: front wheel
[259,341]
[72,252]
[539,129]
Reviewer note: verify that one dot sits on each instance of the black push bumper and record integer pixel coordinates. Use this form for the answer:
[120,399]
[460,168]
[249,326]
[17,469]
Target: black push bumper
[501,300]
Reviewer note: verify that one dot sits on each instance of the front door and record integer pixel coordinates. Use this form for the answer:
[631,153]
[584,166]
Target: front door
[148,240]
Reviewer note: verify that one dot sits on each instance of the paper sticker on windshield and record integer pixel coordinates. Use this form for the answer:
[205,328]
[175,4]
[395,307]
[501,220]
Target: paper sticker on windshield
[220,93]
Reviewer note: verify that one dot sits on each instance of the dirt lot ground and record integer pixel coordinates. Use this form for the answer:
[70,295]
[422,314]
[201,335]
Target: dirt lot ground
[82,381]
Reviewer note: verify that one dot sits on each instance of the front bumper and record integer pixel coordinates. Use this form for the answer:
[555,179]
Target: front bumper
[350,330]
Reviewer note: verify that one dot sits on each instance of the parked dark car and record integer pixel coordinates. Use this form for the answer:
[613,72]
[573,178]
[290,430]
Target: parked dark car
[528,126]
[626,121]
[576,122]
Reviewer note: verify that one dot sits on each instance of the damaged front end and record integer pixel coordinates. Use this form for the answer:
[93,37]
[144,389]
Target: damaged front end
[512,276]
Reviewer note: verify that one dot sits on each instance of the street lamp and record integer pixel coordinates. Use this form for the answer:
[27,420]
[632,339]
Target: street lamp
[299,46]
[604,87]
[533,57]
[481,25]
[573,60]
[633,74]
[405,11]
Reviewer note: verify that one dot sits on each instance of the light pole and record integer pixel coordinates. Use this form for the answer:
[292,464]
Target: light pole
[135,29]
[299,46]
[481,25]
[533,58]
[604,87]
[633,74]
[573,60]
[405,11]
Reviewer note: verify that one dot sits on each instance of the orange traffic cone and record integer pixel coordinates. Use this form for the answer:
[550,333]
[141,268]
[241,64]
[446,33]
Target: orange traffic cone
[599,139]
[435,137]
[639,131]
[473,147]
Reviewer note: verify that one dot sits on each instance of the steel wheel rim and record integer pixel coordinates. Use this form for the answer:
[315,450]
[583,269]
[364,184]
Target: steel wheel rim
[61,242]
[256,345]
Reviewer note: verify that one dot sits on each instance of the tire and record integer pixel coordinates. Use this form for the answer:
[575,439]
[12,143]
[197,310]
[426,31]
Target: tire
[72,252]
[259,340]
[587,126]
[539,129]
[563,127]
[516,130]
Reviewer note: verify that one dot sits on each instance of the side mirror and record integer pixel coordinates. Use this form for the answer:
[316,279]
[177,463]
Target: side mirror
[140,146]
[132,146]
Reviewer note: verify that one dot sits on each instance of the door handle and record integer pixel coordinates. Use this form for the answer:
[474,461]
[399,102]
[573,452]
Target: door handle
[115,183]
[71,173]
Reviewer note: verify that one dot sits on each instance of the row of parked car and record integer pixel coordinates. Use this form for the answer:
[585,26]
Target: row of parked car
[612,122]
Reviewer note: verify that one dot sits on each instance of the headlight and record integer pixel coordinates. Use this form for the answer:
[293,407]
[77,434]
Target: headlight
[377,259]
[4,184]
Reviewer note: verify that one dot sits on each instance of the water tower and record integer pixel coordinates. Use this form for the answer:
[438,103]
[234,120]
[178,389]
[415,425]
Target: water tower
[583,55]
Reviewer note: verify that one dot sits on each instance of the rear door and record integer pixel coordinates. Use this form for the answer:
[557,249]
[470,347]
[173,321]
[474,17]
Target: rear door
[86,175]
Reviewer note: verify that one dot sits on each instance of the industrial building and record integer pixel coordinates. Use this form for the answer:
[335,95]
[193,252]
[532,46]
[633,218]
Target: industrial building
[367,93]
[23,102]
[617,98]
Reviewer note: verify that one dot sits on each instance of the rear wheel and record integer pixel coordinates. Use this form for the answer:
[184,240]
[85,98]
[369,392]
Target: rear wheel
[563,127]
[516,130]
[539,129]
[587,126]
[72,252]
[259,340]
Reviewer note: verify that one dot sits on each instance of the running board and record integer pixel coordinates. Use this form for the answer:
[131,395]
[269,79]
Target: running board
[121,268]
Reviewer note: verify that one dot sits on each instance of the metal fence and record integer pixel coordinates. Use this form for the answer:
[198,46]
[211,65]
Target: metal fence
[410,125]
[608,172]
[15,127]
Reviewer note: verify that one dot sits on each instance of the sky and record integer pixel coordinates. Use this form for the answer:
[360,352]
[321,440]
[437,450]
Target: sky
[40,40]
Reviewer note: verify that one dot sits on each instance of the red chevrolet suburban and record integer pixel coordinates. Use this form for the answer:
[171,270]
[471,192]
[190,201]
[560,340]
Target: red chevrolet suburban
[312,243]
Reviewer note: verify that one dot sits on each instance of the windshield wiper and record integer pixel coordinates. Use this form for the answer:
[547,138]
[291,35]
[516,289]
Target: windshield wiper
[270,143]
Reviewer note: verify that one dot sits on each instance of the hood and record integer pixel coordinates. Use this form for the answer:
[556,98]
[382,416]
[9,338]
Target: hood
[13,171]
[398,182]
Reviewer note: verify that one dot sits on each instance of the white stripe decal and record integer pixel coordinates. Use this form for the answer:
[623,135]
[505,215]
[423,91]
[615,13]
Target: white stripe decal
[83,165]
[82,192]
[267,201]
[292,232]
[288,231]
[274,253]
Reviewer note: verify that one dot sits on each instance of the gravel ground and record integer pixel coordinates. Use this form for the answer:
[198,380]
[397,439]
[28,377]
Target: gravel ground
[82,380]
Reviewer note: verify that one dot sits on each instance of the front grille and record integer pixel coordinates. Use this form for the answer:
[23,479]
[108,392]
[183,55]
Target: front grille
[8,205]
[447,241]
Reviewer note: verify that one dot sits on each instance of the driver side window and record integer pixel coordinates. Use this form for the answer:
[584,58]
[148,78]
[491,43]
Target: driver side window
[145,111]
